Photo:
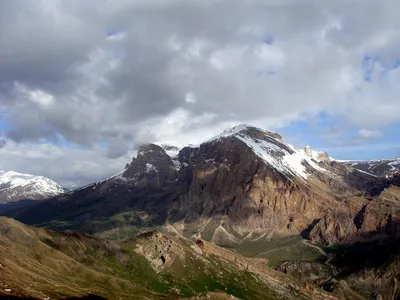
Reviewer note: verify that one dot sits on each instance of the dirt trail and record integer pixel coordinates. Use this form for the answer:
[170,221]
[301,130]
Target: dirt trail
[320,250]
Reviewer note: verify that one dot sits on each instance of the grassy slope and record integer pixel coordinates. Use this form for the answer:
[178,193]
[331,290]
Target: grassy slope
[279,250]
[41,263]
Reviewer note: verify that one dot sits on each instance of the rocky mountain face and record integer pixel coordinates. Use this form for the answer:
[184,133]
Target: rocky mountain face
[246,184]
[379,167]
[17,186]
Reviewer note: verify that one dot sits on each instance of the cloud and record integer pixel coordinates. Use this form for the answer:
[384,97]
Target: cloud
[2,143]
[363,135]
[369,134]
[118,146]
[136,71]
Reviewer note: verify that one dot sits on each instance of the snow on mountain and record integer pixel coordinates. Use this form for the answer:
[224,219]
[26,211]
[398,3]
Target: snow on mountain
[273,150]
[240,129]
[172,151]
[378,167]
[15,186]
[150,168]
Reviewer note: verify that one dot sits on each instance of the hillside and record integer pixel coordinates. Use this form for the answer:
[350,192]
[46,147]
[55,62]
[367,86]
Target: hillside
[45,264]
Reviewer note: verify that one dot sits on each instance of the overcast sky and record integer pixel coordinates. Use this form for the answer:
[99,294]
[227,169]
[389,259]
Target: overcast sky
[83,83]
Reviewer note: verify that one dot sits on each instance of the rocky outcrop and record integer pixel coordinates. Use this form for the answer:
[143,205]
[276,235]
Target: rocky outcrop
[311,272]
[318,155]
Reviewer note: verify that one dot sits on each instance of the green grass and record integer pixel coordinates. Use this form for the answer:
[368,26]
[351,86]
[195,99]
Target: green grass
[279,250]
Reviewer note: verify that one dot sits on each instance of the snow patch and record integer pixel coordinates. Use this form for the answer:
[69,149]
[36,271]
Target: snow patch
[150,168]
[361,171]
[279,158]
[395,163]
[172,152]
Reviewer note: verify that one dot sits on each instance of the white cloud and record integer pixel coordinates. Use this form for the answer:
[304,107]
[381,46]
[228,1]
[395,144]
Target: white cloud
[37,96]
[190,98]
[370,134]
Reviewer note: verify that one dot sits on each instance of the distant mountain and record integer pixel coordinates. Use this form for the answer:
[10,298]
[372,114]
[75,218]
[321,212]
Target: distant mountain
[378,167]
[246,184]
[17,186]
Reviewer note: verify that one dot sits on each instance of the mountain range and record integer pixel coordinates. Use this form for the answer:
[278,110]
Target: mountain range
[253,193]
[245,184]
[379,167]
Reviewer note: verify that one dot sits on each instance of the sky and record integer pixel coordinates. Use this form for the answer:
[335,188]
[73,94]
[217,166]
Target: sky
[84,83]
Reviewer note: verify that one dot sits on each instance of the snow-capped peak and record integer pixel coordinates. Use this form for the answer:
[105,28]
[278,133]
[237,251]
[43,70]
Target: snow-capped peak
[15,186]
[273,150]
[240,129]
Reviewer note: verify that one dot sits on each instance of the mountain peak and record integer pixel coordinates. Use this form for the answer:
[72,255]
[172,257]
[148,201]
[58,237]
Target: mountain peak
[270,147]
[15,186]
[245,129]
[152,166]
[150,148]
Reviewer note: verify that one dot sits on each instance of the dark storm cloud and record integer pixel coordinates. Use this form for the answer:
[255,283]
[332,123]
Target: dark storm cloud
[40,43]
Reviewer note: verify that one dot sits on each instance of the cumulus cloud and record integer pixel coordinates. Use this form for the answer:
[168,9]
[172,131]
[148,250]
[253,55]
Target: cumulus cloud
[134,71]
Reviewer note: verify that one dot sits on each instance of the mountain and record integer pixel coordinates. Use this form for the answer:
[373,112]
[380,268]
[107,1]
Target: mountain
[379,167]
[17,186]
[246,184]
[45,264]
[210,222]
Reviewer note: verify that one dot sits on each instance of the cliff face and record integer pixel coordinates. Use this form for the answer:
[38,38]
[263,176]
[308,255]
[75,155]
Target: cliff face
[245,184]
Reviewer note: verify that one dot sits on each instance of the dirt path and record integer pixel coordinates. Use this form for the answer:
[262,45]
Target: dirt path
[320,250]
